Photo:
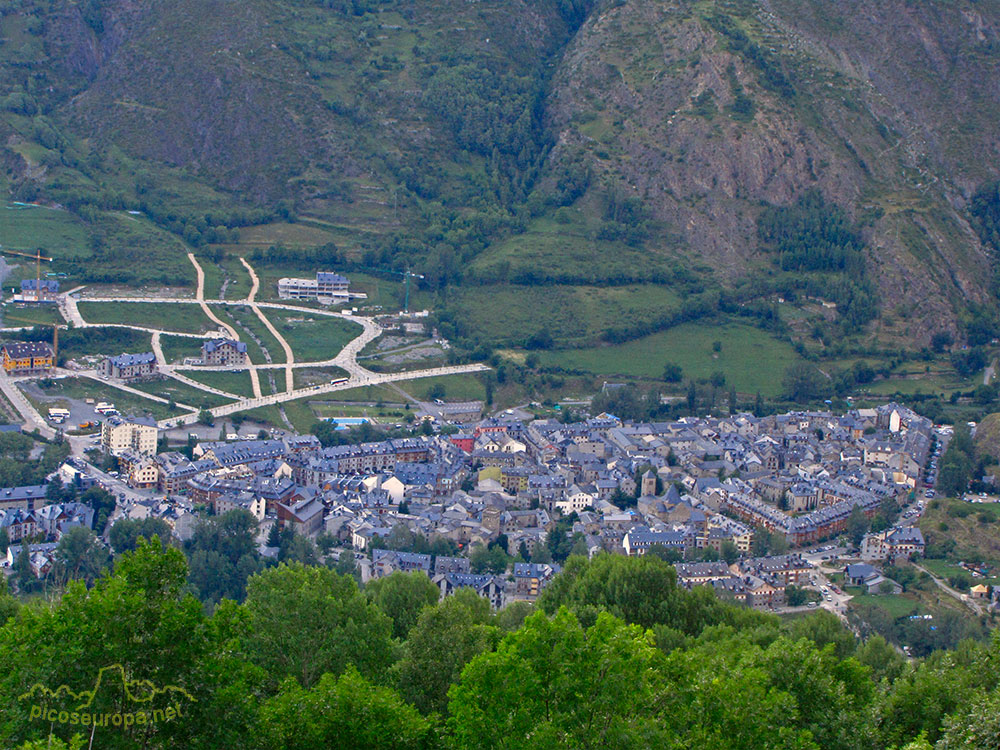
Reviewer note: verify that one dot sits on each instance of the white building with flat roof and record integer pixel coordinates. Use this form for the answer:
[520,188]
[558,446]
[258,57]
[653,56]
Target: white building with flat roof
[326,287]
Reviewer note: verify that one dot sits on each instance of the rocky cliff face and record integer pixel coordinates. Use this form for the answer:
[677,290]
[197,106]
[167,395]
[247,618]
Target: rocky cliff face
[707,111]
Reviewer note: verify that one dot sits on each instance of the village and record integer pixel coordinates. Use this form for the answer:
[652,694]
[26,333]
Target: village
[760,509]
[771,512]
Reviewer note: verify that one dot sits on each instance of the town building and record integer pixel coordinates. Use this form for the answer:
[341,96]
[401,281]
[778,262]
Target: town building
[27,497]
[135,434]
[128,366]
[224,353]
[27,357]
[898,542]
[49,293]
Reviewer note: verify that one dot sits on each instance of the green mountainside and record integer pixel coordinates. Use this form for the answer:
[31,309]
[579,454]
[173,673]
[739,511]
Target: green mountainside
[599,169]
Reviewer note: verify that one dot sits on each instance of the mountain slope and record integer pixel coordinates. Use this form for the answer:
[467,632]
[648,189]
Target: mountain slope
[647,93]
[698,156]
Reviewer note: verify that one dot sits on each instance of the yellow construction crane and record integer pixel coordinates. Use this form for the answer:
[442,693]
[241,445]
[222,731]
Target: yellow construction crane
[38,257]
[55,332]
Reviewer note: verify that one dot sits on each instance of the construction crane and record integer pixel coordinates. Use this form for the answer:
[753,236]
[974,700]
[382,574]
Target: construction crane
[38,257]
[406,275]
[55,332]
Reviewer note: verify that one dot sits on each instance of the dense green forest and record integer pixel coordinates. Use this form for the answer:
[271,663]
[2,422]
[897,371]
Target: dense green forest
[817,241]
[616,655]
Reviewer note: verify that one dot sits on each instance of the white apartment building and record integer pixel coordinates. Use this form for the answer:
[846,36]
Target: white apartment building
[136,434]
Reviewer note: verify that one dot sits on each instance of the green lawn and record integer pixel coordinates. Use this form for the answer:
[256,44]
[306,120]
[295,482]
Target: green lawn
[466,387]
[230,382]
[316,375]
[751,359]
[176,348]
[244,319]
[213,277]
[300,414]
[215,273]
[265,414]
[181,393]
[181,317]
[897,605]
[365,394]
[19,315]
[313,338]
[127,403]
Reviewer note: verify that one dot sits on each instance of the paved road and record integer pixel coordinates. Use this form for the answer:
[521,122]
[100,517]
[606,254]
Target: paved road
[122,386]
[345,359]
[353,382]
[32,419]
[289,354]
[988,374]
[967,601]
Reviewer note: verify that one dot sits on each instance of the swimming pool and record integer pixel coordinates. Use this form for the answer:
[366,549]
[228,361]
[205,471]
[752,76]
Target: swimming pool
[344,423]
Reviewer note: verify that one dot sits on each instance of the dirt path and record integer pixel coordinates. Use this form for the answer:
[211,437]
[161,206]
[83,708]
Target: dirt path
[289,354]
[200,297]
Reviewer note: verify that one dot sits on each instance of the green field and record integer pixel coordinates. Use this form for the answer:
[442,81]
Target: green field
[20,315]
[140,254]
[943,384]
[313,338]
[751,359]
[289,235]
[306,376]
[299,414]
[127,403]
[183,318]
[181,393]
[215,273]
[570,250]
[269,415]
[103,341]
[245,320]
[213,277]
[231,382]
[897,605]
[365,394]
[467,387]
[572,315]
[944,569]
[176,348]
[58,233]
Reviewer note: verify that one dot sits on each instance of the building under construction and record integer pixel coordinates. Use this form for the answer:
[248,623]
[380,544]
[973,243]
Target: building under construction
[49,291]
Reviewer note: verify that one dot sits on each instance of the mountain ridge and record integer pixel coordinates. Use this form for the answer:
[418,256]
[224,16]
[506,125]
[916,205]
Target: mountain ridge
[515,143]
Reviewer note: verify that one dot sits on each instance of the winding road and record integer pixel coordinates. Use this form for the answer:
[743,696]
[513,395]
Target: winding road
[346,358]
[200,297]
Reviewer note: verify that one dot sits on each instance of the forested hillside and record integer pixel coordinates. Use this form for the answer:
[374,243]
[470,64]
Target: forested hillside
[615,656]
[633,157]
